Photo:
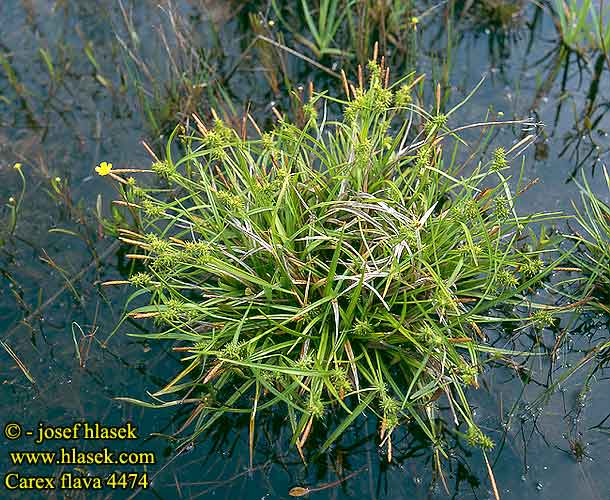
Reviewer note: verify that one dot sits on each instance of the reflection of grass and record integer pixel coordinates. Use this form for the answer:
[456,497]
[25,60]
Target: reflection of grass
[501,21]
[343,266]
[560,67]
[499,14]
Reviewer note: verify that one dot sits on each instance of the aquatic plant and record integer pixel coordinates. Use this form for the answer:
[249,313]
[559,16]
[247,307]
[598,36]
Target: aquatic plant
[14,205]
[593,237]
[394,24]
[170,87]
[355,26]
[581,25]
[322,23]
[345,266]
[583,50]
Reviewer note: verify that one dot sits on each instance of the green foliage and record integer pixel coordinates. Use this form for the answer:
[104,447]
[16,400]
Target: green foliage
[322,23]
[354,25]
[581,26]
[344,266]
[593,237]
[171,74]
[14,205]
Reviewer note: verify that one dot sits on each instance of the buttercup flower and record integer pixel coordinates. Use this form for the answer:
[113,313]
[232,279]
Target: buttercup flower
[103,168]
[17,166]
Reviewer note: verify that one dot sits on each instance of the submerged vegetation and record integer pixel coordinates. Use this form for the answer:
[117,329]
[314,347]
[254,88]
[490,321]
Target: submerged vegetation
[347,265]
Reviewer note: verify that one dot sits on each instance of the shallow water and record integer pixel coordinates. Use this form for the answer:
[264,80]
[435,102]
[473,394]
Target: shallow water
[62,123]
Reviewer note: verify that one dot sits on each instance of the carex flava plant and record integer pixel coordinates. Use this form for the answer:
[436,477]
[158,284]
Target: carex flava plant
[349,266]
[592,237]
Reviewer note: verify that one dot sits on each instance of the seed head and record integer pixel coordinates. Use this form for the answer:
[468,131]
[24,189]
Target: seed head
[532,267]
[231,201]
[310,113]
[306,362]
[506,279]
[152,210]
[363,327]
[403,97]
[267,141]
[499,161]
[501,208]
[197,248]
[436,123]
[424,156]
[471,209]
[234,350]
[340,381]
[468,374]
[315,407]
[158,246]
[476,438]
[163,169]
[141,280]
[542,318]
[172,311]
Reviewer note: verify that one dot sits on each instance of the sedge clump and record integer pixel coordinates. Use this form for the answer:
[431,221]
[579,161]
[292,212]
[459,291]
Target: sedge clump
[345,266]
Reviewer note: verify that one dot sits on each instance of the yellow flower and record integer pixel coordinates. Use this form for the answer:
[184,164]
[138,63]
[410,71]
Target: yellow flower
[104,168]
[414,20]
[17,166]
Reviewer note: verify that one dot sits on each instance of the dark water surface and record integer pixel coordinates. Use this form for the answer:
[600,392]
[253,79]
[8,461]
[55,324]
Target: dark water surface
[62,122]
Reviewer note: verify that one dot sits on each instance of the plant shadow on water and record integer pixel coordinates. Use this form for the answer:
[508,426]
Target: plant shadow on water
[64,107]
